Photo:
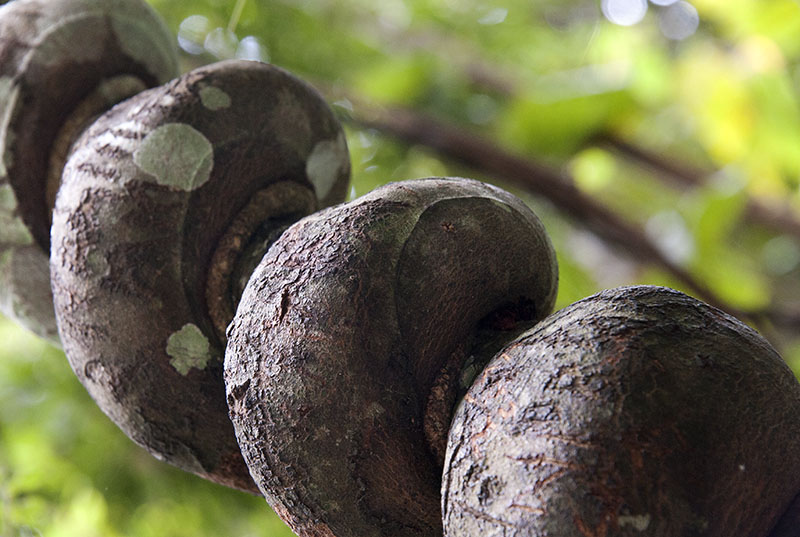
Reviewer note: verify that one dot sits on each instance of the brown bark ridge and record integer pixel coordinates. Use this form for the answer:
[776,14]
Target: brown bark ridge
[350,331]
[53,55]
[637,411]
[151,193]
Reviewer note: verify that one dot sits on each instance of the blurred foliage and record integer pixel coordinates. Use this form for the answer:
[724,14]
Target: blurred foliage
[544,78]
[67,471]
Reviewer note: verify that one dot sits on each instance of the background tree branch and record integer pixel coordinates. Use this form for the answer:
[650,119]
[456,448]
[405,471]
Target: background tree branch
[457,144]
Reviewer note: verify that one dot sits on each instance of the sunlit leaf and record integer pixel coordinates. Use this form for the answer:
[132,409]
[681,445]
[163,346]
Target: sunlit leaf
[559,127]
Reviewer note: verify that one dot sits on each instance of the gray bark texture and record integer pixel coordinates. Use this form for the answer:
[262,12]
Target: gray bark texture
[53,54]
[354,327]
[151,191]
[637,411]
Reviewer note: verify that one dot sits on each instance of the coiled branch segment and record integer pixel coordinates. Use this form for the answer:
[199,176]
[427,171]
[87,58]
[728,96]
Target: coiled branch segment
[343,331]
[637,411]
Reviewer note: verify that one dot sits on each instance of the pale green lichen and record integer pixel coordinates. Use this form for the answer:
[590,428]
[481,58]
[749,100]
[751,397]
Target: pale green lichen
[214,98]
[189,348]
[327,161]
[375,410]
[176,155]
[97,262]
[637,522]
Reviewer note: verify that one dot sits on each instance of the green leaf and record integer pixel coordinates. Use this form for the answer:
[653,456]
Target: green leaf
[559,127]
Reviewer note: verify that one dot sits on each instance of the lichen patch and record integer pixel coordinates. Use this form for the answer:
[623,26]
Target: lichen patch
[176,155]
[214,98]
[97,262]
[327,161]
[189,348]
[95,371]
[637,522]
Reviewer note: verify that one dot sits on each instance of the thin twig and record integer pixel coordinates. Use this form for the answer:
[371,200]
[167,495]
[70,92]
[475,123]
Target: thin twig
[671,169]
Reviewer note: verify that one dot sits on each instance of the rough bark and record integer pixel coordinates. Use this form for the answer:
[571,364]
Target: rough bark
[152,190]
[53,54]
[637,411]
[351,320]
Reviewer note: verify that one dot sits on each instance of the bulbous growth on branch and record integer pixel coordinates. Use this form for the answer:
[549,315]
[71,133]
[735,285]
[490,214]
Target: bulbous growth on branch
[163,198]
[637,411]
[62,63]
[351,337]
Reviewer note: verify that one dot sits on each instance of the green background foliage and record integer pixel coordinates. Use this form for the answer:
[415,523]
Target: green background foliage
[553,81]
